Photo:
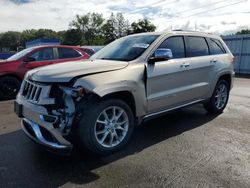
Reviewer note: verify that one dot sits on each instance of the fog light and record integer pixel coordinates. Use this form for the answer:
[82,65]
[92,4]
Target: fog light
[47,118]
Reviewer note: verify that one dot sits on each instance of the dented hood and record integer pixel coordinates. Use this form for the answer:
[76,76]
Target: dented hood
[64,72]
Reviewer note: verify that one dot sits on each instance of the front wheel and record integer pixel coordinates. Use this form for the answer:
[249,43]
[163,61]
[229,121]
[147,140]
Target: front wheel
[106,126]
[219,99]
[9,87]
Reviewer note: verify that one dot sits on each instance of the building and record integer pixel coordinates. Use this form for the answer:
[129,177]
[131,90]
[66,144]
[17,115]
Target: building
[42,41]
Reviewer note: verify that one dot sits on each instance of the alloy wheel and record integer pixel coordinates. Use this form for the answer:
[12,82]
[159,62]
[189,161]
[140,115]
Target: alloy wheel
[111,126]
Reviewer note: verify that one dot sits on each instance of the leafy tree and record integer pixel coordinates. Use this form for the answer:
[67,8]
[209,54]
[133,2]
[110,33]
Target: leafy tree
[88,29]
[115,27]
[90,25]
[71,37]
[109,29]
[46,33]
[244,31]
[33,34]
[27,35]
[10,39]
[121,25]
[143,26]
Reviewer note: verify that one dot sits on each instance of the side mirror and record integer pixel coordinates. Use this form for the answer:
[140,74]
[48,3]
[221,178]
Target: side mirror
[161,54]
[29,59]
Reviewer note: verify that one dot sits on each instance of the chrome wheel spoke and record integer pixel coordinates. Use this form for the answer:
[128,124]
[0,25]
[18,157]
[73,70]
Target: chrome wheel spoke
[104,137]
[101,132]
[121,123]
[120,128]
[116,136]
[106,116]
[113,113]
[111,139]
[119,115]
[102,122]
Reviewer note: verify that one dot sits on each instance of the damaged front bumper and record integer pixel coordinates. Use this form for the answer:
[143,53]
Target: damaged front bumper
[35,133]
[39,125]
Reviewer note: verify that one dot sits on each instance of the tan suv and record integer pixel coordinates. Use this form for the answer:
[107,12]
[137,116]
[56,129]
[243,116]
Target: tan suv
[99,101]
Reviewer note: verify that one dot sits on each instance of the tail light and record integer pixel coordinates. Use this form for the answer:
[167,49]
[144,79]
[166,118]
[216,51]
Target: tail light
[234,60]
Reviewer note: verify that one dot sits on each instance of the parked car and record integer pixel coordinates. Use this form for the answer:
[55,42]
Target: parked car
[130,80]
[14,68]
[91,49]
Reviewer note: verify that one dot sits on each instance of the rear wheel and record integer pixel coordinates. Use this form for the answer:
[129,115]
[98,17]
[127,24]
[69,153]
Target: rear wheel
[9,87]
[219,99]
[106,126]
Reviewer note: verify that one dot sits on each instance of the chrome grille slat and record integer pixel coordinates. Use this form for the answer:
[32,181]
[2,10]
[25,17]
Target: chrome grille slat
[38,92]
[31,91]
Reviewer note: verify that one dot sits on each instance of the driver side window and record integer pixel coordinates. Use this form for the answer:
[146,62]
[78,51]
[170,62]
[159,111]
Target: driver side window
[176,45]
[43,54]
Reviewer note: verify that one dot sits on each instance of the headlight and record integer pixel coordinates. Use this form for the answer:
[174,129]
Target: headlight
[74,92]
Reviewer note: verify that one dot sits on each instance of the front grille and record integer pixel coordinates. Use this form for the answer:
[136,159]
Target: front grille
[31,91]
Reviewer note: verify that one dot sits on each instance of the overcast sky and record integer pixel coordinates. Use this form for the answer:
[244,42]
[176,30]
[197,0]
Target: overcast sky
[219,16]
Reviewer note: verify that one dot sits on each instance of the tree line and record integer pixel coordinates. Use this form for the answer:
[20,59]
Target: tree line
[88,29]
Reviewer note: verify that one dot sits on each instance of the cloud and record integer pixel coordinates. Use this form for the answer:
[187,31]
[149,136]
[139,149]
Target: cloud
[220,16]
[227,23]
[20,1]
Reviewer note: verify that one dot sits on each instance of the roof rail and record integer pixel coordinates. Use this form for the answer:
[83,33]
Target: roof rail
[193,31]
[184,30]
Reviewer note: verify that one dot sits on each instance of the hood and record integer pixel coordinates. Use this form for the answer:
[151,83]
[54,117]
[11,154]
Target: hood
[4,62]
[64,72]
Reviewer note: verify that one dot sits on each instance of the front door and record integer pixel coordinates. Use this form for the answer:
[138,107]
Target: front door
[168,82]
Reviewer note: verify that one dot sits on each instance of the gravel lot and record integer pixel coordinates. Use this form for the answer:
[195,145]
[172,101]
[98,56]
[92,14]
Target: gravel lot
[187,148]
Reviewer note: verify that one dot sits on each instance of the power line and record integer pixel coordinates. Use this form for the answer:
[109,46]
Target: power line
[155,4]
[216,8]
[207,10]
[204,6]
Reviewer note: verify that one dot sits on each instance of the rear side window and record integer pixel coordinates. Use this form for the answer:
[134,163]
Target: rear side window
[65,53]
[215,47]
[44,54]
[197,46]
[176,44]
[88,51]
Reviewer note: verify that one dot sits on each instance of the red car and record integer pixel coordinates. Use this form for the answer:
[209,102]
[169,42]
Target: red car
[14,68]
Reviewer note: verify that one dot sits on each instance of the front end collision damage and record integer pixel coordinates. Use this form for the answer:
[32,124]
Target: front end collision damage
[68,102]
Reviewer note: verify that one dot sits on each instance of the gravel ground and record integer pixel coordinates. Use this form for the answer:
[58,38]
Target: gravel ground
[187,148]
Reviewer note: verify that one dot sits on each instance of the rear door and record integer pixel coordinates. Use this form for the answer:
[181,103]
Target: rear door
[64,54]
[201,66]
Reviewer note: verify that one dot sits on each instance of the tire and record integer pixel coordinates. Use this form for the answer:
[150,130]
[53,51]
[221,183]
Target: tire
[9,87]
[219,99]
[95,130]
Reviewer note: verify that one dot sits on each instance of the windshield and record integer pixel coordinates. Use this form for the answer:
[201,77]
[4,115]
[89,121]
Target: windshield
[126,48]
[20,54]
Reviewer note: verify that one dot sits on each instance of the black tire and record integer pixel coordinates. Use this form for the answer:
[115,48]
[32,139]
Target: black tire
[86,127]
[211,106]
[9,87]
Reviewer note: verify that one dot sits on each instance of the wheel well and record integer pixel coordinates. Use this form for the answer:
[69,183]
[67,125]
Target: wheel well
[126,96]
[11,75]
[226,77]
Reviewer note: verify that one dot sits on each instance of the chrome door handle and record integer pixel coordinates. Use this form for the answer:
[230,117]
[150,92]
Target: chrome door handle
[213,61]
[185,65]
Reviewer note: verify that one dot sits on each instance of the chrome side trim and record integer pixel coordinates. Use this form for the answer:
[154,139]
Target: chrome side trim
[170,109]
[39,137]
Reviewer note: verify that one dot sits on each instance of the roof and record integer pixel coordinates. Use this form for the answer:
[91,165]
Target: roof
[186,32]
[64,46]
